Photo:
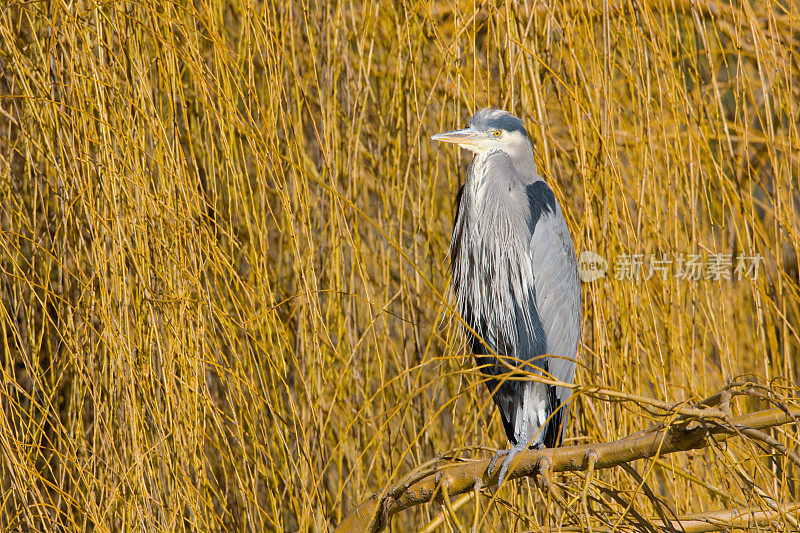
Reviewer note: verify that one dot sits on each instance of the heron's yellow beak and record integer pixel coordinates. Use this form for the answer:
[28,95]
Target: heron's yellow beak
[465,137]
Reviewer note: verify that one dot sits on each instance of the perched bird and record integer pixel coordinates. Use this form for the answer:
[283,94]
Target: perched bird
[515,281]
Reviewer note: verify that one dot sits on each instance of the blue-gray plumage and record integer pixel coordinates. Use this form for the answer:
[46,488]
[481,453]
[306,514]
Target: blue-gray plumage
[515,280]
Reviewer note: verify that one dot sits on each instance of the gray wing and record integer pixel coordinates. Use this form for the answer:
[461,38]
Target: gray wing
[556,286]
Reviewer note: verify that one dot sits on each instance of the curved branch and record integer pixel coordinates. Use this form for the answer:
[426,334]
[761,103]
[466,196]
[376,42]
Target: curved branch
[727,519]
[459,478]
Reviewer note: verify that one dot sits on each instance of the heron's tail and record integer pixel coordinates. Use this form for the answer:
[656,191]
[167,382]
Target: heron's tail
[531,412]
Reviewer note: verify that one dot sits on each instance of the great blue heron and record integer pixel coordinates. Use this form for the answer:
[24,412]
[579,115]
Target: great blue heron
[515,280]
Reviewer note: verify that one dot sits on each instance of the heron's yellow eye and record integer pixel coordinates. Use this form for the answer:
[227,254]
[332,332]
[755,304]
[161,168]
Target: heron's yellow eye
[497,133]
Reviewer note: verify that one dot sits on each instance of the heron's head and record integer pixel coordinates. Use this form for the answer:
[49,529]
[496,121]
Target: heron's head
[491,130]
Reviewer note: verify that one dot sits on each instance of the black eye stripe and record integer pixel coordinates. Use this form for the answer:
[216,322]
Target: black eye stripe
[495,119]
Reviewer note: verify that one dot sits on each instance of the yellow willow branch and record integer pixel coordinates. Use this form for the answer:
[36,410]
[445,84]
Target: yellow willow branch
[459,478]
[726,519]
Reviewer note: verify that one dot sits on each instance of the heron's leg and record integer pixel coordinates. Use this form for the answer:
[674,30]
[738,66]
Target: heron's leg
[526,426]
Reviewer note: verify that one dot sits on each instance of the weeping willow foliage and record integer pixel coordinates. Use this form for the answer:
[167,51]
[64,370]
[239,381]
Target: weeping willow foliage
[223,236]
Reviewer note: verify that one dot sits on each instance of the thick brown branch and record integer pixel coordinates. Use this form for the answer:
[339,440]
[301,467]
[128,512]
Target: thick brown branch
[373,514]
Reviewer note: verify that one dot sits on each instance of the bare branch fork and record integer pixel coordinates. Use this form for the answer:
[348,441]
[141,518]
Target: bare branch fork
[438,482]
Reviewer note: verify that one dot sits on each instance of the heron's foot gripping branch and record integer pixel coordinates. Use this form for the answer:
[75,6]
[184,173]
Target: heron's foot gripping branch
[510,453]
